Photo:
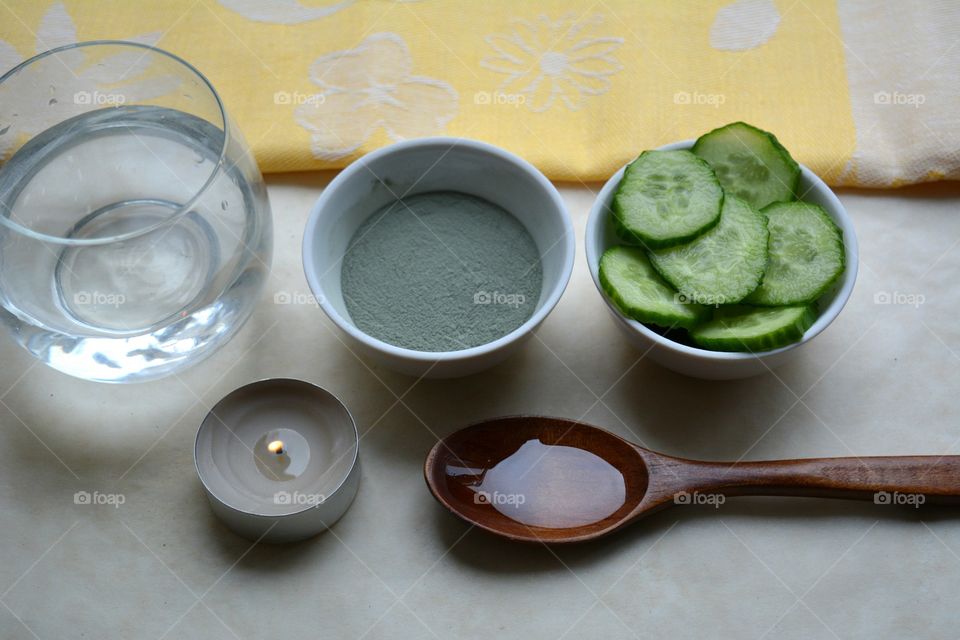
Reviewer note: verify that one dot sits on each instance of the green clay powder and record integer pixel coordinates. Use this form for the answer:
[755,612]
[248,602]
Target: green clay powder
[441,271]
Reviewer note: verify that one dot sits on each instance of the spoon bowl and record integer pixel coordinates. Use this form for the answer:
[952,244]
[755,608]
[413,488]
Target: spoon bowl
[537,478]
[552,480]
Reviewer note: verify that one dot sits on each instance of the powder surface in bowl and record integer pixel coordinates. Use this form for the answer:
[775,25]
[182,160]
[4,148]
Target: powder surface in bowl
[441,271]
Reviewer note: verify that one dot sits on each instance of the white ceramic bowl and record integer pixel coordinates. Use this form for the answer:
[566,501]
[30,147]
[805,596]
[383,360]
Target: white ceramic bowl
[436,164]
[718,365]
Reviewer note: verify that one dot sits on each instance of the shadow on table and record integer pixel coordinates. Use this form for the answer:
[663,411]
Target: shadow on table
[649,405]
[484,552]
[261,557]
[710,419]
[927,191]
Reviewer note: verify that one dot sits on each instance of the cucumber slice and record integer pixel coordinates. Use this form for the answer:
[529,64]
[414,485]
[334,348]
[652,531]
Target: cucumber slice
[723,265]
[806,255]
[751,329]
[634,286]
[666,198]
[750,163]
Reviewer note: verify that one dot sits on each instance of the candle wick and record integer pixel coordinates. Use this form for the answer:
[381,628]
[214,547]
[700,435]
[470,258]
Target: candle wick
[276,447]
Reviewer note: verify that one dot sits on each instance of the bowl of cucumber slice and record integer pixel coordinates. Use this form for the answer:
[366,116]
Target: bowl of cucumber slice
[721,257]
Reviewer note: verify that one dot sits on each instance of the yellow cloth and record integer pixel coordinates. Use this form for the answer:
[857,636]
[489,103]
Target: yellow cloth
[577,88]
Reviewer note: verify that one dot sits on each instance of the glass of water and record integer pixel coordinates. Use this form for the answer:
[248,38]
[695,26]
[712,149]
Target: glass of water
[135,231]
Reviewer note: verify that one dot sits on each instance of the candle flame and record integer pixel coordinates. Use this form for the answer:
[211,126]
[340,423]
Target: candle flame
[275,447]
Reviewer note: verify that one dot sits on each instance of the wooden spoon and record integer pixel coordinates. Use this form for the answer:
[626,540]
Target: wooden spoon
[540,479]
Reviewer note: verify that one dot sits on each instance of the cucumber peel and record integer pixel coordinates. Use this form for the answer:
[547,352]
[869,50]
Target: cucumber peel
[752,329]
[806,255]
[750,163]
[634,286]
[723,265]
[666,198]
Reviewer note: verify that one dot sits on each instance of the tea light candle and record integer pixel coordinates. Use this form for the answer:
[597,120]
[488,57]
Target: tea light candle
[278,460]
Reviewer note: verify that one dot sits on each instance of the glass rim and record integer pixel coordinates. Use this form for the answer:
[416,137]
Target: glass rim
[182,209]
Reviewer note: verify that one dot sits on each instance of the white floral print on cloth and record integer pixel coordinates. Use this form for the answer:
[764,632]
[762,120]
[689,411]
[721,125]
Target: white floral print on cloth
[282,11]
[744,24]
[285,11]
[547,60]
[368,88]
[69,81]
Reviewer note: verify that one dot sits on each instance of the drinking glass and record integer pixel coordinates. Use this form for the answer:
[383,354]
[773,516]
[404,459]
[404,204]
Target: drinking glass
[135,231]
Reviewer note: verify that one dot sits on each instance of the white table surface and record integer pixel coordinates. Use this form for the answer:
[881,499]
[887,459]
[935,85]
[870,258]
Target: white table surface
[884,379]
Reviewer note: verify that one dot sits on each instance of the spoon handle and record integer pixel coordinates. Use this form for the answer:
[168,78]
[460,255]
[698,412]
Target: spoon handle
[911,480]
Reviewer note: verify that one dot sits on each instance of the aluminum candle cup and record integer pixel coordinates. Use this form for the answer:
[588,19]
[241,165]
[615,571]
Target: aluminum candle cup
[278,460]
